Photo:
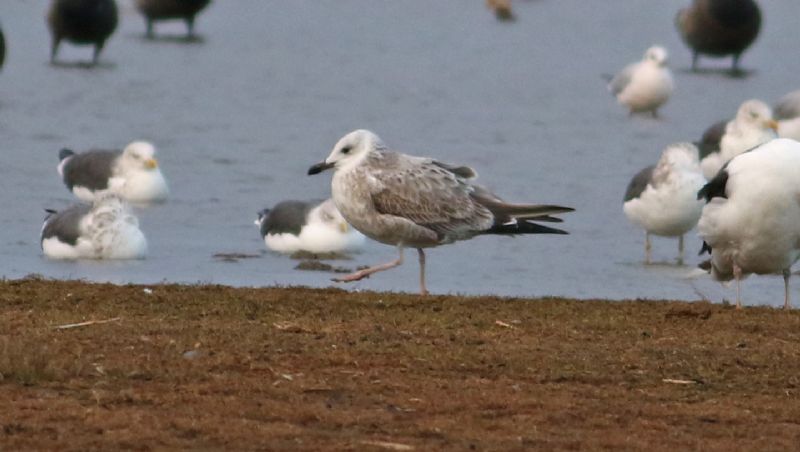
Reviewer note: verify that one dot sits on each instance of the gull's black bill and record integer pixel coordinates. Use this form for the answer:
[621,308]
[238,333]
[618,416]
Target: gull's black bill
[319,167]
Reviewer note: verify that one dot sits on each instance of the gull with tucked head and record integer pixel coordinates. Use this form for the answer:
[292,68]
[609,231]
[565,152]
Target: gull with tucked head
[419,202]
[132,173]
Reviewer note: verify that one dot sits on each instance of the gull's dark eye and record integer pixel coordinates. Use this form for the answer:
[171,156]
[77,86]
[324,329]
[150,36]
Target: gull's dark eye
[346,150]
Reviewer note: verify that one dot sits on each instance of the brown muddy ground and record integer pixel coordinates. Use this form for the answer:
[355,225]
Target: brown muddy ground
[212,367]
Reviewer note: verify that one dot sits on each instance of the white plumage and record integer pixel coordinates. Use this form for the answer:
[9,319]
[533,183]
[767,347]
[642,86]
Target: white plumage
[752,126]
[752,219]
[646,85]
[662,199]
[105,230]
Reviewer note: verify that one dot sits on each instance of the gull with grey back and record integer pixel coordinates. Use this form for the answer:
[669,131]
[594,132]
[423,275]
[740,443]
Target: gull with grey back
[131,173]
[107,229]
[419,202]
[646,85]
[662,198]
[752,126]
[314,227]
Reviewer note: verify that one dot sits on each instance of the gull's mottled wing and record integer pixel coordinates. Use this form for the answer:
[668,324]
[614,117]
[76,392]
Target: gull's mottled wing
[429,193]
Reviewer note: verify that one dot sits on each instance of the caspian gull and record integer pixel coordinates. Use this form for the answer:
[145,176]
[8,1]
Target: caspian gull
[662,198]
[752,126]
[418,202]
[787,113]
[105,230]
[81,22]
[132,173]
[311,226]
[719,28]
[158,10]
[751,222]
[646,85]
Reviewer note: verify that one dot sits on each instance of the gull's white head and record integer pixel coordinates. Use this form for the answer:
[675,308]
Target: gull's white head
[755,113]
[139,155]
[350,150]
[657,55]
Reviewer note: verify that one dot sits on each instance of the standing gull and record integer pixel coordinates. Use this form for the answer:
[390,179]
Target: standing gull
[787,113]
[132,173]
[311,226]
[81,22]
[752,126]
[418,202]
[751,223]
[719,28]
[646,85]
[662,198]
[105,230]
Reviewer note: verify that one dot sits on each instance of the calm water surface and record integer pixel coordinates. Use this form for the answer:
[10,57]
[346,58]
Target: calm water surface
[240,116]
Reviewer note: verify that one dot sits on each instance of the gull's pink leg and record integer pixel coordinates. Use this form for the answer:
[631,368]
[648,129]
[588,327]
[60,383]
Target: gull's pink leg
[422,289]
[361,274]
[737,273]
[647,248]
[786,274]
[680,250]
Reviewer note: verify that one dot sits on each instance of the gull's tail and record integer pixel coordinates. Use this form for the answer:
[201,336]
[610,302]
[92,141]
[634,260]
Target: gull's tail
[518,218]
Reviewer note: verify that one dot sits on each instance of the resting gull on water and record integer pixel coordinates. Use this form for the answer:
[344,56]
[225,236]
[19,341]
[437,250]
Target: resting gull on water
[132,173]
[105,230]
[646,85]
[662,198]
[752,126]
[418,202]
[311,226]
[751,223]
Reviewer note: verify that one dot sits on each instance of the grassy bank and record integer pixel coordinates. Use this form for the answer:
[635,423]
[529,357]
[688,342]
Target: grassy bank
[214,367]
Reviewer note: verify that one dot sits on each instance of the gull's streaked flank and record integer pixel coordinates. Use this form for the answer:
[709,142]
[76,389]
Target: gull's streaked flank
[315,227]
[662,198]
[751,223]
[132,173]
[752,126]
[105,230]
[646,85]
[418,202]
